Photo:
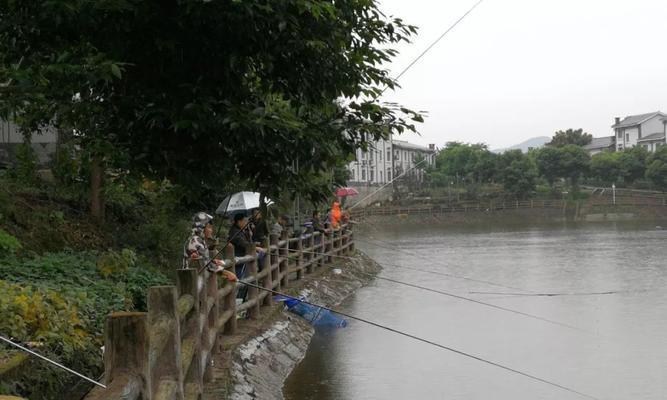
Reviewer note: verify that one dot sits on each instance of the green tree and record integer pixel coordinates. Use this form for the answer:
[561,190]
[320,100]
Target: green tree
[517,173]
[571,136]
[574,163]
[460,161]
[605,167]
[656,171]
[548,161]
[632,163]
[198,92]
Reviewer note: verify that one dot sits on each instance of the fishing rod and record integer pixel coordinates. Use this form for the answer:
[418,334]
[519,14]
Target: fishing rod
[71,371]
[451,27]
[438,262]
[429,342]
[463,298]
[373,193]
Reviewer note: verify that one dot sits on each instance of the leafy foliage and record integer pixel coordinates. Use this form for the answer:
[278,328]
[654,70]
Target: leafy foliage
[8,244]
[606,167]
[656,171]
[192,91]
[518,173]
[575,137]
[58,302]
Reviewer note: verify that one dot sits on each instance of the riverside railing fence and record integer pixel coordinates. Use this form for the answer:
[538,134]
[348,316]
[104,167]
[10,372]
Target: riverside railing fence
[499,205]
[166,353]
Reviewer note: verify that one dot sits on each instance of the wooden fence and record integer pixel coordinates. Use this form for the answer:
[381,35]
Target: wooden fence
[166,353]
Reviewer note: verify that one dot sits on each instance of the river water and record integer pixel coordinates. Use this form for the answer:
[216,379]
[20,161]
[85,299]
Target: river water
[619,351]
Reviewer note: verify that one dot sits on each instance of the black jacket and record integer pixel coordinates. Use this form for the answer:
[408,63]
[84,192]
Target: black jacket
[239,239]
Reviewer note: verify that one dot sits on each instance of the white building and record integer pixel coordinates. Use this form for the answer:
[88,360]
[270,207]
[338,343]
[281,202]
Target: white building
[372,166]
[647,130]
[387,158]
[408,155]
[43,143]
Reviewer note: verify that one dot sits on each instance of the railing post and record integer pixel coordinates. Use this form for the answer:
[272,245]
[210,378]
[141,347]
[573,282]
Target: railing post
[266,269]
[275,260]
[328,244]
[193,377]
[311,249]
[253,292]
[299,257]
[229,302]
[284,261]
[164,357]
[126,349]
[350,238]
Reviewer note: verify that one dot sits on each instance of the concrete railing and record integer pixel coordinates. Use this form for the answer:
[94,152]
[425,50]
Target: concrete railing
[166,353]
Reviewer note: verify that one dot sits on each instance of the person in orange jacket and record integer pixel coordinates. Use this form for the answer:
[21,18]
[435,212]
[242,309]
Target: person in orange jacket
[335,215]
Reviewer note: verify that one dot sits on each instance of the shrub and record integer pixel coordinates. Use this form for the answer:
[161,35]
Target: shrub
[8,243]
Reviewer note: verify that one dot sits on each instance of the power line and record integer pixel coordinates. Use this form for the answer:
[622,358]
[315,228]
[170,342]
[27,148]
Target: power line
[455,295]
[432,343]
[71,371]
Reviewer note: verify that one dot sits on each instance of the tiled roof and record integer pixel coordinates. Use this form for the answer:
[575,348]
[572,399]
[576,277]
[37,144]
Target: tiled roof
[409,146]
[600,143]
[653,136]
[633,120]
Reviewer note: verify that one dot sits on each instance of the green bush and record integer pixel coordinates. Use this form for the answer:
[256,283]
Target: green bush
[8,243]
[25,170]
[60,301]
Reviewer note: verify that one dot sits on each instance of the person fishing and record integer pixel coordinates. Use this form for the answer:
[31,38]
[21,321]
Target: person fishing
[335,215]
[240,235]
[201,247]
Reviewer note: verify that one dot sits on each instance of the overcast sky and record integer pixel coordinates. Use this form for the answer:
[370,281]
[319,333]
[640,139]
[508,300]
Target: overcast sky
[516,69]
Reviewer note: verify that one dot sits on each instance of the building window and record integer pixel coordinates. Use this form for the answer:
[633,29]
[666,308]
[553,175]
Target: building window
[380,176]
[363,155]
[370,175]
[363,174]
[370,155]
[627,137]
[379,155]
[351,175]
[388,154]
[388,174]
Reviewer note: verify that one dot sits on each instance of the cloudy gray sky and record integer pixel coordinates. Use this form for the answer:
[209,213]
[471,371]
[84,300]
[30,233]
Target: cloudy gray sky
[515,69]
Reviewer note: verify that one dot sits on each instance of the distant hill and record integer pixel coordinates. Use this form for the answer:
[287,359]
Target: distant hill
[530,143]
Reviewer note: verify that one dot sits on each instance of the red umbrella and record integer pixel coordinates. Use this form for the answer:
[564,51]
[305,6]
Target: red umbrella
[346,191]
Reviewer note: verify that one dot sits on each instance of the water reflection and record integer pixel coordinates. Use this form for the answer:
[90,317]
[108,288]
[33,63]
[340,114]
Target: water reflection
[622,356]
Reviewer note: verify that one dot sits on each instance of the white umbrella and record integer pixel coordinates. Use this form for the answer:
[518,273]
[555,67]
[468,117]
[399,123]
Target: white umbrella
[240,202]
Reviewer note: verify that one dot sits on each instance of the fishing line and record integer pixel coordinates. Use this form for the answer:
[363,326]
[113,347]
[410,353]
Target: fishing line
[425,258]
[460,297]
[426,271]
[429,342]
[386,184]
[434,43]
[562,294]
[52,362]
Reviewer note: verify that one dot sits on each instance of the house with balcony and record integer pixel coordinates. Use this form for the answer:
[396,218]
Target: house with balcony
[646,130]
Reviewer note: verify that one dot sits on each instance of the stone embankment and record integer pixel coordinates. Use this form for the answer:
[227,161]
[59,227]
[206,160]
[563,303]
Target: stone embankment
[258,360]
